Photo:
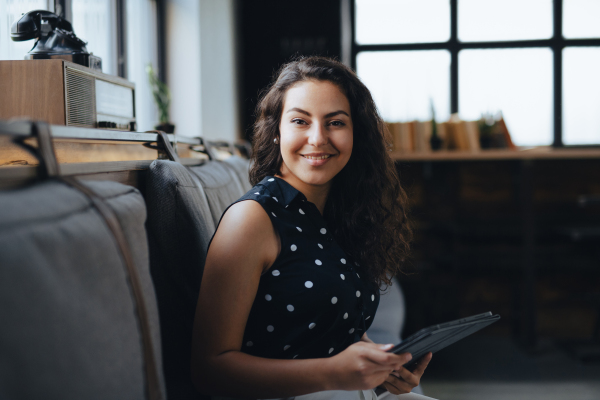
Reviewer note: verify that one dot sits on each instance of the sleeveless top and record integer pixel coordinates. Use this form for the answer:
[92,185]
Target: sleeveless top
[314,301]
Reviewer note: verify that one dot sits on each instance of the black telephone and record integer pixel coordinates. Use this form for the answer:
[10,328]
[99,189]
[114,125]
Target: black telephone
[54,39]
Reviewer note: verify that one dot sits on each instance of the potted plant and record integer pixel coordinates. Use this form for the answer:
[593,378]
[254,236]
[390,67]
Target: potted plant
[486,131]
[436,141]
[162,99]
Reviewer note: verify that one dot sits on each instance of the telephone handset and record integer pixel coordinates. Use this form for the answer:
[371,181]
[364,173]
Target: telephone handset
[54,39]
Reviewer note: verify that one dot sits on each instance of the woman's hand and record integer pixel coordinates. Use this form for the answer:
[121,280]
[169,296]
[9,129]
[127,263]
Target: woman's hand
[365,365]
[403,381]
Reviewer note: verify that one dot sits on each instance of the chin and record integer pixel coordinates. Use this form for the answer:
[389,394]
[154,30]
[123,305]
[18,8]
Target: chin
[317,179]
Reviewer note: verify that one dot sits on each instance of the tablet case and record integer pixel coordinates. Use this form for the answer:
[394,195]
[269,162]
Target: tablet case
[437,337]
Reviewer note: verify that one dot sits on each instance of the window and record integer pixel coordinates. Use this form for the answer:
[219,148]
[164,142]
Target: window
[96,22]
[536,61]
[11,12]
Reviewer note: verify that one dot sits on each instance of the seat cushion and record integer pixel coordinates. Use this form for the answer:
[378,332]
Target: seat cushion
[69,323]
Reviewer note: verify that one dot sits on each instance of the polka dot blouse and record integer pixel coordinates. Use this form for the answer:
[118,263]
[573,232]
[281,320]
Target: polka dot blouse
[314,301]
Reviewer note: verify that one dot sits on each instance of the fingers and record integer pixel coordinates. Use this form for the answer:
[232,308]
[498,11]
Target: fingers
[422,364]
[396,385]
[379,355]
[408,376]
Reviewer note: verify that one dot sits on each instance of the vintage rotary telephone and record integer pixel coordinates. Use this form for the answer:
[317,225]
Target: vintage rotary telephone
[54,39]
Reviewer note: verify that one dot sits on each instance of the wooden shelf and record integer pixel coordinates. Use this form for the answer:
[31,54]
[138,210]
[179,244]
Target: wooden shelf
[532,153]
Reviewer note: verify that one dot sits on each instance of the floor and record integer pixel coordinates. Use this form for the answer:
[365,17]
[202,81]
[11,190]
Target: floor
[493,368]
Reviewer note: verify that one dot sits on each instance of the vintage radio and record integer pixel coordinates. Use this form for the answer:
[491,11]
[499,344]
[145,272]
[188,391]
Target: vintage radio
[63,93]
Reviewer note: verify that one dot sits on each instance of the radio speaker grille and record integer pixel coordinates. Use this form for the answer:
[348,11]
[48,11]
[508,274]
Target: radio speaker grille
[80,95]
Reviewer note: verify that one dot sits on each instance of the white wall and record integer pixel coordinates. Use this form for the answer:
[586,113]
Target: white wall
[202,68]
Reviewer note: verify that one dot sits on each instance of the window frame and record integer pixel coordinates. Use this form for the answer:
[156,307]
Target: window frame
[557,43]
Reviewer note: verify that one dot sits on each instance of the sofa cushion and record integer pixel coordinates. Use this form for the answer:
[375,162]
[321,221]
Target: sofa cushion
[221,185]
[70,328]
[180,226]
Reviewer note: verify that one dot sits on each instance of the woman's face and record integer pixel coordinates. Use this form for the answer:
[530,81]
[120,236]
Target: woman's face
[316,133]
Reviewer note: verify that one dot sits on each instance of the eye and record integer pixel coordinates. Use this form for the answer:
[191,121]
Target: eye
[337,123]
[298,121]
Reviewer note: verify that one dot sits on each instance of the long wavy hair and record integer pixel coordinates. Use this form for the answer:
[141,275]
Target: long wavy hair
[366,208]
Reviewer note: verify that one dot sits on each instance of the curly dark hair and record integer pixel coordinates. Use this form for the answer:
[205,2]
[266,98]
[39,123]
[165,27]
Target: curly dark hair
[366,208]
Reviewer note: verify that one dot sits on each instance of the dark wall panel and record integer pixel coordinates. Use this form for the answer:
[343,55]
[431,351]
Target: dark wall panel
[273,32]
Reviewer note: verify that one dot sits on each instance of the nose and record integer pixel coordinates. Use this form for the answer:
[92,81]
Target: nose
[318,135]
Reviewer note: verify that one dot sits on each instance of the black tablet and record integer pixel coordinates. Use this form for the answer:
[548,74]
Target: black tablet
[437,337]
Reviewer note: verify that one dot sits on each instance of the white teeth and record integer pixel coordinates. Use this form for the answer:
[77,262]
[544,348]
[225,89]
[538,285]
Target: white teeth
[317,158]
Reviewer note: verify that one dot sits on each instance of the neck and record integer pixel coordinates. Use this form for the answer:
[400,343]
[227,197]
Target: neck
[316,194]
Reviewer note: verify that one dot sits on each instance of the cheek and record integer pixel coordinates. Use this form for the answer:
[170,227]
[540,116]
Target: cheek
[346,143]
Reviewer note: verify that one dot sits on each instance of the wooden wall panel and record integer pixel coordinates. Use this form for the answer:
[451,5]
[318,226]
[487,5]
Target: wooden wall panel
[32,89]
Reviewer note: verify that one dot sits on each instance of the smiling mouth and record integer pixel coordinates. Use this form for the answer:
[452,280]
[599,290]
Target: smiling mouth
[317,157]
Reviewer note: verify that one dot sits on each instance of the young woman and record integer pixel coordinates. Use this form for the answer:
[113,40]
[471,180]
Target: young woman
[292,276]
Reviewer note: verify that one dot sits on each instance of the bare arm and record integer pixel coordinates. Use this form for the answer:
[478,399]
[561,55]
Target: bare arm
[244,246]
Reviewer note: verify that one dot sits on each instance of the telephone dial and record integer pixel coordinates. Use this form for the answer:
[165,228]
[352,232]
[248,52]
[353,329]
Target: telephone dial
[54,39]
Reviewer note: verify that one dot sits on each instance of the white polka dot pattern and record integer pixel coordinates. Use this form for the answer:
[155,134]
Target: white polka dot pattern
[303,285]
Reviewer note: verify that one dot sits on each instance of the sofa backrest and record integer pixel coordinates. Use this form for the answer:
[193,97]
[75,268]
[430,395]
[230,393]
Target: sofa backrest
[71,328]
[184,206]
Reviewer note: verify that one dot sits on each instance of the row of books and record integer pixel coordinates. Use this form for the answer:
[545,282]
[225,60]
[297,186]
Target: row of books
[456,134]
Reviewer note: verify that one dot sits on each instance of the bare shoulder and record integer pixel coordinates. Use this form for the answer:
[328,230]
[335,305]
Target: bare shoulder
[246,217]
[246,231]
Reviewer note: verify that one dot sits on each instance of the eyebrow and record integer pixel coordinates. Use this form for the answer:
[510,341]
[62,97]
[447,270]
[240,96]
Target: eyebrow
[331,114]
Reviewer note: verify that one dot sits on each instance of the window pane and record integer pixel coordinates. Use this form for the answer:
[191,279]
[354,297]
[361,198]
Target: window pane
[93,23]
[580,18]
[402,21]
[517,82]
[10,11]
[493,20]
[141,51]
[404,83]
[581,96]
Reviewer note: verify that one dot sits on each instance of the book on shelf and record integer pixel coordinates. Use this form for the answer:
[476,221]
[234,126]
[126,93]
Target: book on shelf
[503,130]
[455,134]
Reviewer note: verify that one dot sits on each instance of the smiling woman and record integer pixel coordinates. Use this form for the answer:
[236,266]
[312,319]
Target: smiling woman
[316,137]
[294,270]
